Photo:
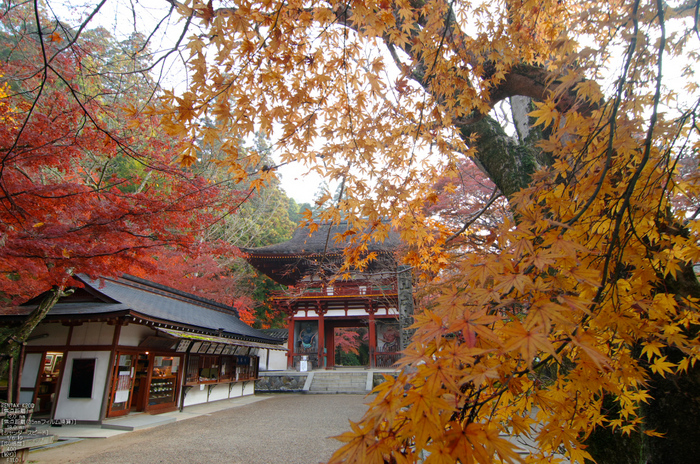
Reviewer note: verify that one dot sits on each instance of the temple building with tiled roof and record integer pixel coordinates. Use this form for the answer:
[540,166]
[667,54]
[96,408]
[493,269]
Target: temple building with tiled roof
[121,345]
[322,307]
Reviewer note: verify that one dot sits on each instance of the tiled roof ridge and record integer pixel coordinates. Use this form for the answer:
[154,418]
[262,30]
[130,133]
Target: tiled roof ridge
[193,328]
[308,254]
[305,242]
[164,290]
[281,334]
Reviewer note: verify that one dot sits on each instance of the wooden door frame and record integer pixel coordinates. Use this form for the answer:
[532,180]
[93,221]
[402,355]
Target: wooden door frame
[344,323]
[115,380]
[178,380]
[35,388]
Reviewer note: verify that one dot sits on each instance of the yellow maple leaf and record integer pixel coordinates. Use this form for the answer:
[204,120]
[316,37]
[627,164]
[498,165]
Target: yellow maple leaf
[651,349]
[545,113]
[661,366]
[586,342]
[527,342]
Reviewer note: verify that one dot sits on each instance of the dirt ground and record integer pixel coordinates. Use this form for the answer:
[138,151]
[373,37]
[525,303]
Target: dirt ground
[284,429]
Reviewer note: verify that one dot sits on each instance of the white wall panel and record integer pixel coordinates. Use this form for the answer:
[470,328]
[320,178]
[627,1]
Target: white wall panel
[57,334]
[84,409]
[92,333]
[133,334]
[30,371]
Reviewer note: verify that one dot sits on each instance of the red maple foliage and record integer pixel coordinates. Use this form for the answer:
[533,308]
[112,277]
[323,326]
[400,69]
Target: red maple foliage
[207,271]
[81,191]
[460,199]
[349,339]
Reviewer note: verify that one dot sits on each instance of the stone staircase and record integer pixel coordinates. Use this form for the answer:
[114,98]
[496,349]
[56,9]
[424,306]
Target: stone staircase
[359,382]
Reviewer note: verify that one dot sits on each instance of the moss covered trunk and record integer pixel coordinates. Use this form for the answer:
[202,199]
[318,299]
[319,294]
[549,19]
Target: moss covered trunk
[674,409]
[12,338]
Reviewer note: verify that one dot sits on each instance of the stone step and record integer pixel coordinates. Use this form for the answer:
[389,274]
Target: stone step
[337,388]
[136,422]
[359,384]
[338,382]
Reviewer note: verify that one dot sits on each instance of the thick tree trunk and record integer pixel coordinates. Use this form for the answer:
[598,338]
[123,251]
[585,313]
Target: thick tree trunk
[509,164]
[674,410]
[12,338]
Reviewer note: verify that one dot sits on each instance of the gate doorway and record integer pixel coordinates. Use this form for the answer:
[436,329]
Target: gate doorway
[351,346]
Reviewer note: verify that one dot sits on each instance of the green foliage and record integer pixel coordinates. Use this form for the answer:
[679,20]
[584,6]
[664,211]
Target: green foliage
[296,211]
[267,316]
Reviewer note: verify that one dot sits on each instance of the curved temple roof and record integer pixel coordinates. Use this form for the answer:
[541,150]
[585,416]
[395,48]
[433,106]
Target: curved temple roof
[323,239]
[288,262]
[162,306]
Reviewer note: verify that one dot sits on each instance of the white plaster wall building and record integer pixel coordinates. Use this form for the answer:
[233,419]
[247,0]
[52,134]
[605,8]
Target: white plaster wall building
[125,345]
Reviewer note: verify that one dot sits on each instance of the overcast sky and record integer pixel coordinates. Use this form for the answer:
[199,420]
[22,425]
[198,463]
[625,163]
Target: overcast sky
[122,17]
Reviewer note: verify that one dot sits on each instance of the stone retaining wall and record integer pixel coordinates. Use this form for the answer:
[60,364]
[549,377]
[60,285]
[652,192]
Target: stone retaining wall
[280,381]
[290,381]
[378,377]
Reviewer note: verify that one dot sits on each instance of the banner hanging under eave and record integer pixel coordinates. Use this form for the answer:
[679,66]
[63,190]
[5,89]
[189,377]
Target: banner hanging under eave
[227,341]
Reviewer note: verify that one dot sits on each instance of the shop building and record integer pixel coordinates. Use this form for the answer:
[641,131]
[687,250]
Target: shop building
[319,306]
[126,345]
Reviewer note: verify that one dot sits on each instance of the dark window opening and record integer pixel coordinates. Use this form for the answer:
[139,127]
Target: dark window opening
[82,377]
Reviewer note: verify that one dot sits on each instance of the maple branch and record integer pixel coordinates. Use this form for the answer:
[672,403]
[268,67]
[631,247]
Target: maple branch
[681,153]
[117,251]
[347,95]
[12,338]
[96,189]
[46,66]
[495,195]
[29,114]
[75,36]
[626,198]
[108,133]
[232,210]
[522,80]
[612,120]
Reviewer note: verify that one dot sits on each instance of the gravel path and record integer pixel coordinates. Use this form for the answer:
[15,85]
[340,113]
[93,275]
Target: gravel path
[284,429]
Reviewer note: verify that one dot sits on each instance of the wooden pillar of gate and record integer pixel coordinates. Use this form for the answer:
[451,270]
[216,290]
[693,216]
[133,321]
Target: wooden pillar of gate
[321,342]
[371,309]
[290,338]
